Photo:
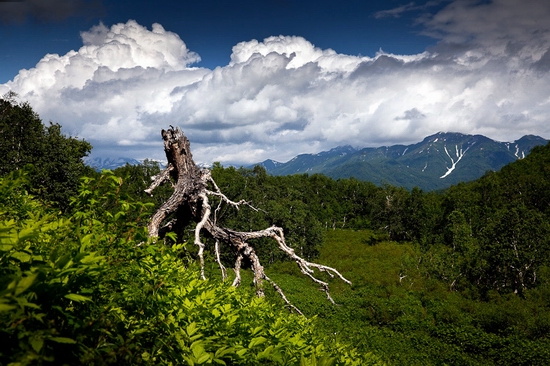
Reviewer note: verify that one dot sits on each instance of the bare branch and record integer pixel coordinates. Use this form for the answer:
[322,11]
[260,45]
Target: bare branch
[190,202]
[222,267]
[281,293]
[200,225]
[237,269]
[157,180]
[229,202]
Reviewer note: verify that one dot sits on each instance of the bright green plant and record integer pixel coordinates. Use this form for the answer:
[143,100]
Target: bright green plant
[91,288]
[46,279]
[169,315]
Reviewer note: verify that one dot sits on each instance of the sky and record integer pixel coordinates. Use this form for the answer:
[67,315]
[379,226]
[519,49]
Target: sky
[270,79]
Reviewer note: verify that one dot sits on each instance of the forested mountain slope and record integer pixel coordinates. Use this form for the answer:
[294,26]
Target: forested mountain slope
[439,161]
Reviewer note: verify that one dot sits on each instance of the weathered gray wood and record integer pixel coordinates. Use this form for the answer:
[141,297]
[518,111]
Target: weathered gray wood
[190,202]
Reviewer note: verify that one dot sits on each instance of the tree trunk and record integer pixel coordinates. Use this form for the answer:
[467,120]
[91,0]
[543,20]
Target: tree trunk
[189,202]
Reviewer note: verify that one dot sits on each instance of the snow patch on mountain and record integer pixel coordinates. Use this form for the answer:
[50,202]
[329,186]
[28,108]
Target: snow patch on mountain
[459,156]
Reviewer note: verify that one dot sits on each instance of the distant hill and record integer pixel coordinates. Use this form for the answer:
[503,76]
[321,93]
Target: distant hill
[437,162]
[109,163]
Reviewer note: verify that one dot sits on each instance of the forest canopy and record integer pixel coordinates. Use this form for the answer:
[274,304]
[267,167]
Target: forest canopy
[55,158]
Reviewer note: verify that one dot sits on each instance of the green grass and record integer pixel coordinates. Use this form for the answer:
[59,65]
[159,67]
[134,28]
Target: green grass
[415,321]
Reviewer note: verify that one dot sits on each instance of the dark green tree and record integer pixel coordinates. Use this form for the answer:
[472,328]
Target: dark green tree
[56,158]
[21,134]
[515,243]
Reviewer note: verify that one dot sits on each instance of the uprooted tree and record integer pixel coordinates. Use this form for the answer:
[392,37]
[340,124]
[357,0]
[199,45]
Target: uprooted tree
[190,203]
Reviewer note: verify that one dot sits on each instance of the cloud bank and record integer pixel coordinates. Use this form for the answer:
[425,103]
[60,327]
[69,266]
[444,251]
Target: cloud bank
[283,96]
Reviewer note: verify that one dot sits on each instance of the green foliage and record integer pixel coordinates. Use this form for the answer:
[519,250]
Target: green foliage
[46,280]
[398,312]
[303,205]
[57,159]
[91,289]
[59,166]
[493,233]
[282,201]
[169,315]
[516,243]
[21,133]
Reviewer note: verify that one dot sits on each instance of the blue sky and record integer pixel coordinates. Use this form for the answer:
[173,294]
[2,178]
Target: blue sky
[211,28]
[251,80]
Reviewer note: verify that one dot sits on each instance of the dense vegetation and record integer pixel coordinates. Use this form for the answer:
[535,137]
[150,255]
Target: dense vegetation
[454,277]
[89,288]
[56,160]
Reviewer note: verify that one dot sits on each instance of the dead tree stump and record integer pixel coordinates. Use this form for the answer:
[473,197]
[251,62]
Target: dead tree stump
[189,202]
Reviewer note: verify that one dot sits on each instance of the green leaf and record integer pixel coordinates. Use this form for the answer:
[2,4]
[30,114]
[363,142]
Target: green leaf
[5,247]
[77,297]
[198,349]
[191,329]
[256,341]
[202,359]
[62,340]
[85,242]
[37,258]
[172,236]
[266,353]
[220,352]
[62,262]
[91,258]
[308,361]
[6,307]
[257,330]
[189,360]
[24,284]
[37,344]
[27,233]
[22,302]
[145,356]
[21,256]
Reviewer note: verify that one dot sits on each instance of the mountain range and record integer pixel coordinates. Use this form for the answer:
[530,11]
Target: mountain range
[109,163]
[436,162]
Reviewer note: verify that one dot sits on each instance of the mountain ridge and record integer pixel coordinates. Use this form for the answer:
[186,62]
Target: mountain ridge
[437,162]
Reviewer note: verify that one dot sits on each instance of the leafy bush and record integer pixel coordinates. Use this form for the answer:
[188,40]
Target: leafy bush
[91,289]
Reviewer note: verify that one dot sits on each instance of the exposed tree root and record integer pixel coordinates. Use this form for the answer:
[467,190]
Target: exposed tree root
[189,202]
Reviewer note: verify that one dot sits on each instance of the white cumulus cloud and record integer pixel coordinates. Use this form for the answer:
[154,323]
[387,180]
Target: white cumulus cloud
[101,91]
[283,96]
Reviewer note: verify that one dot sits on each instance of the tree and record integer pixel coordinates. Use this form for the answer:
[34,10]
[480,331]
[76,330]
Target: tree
[516,245]
[57,159]
[59,167]
[190,203]
[21,134]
